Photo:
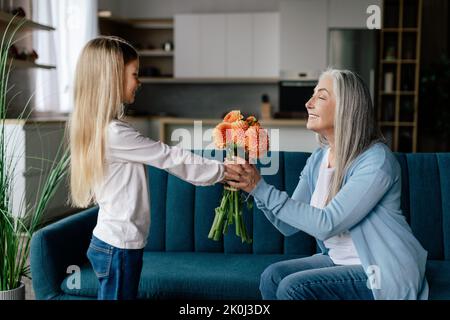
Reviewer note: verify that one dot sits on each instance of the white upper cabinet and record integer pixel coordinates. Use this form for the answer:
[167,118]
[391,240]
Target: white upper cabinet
[187,46]
[266,45]
[351,14]
[288,43]
[227,45]
[303,32]
[239,39]
[212,45]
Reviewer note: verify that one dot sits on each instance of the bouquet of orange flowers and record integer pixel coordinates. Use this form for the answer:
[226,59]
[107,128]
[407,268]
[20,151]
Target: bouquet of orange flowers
[250,141]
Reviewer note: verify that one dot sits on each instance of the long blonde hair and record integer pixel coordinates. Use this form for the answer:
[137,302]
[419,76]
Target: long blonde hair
[98,98]
[355,127]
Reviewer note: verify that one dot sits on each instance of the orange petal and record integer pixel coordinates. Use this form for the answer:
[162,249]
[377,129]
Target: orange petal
[233,116]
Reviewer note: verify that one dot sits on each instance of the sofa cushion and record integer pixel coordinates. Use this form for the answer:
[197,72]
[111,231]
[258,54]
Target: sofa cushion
[189,275]
[426,216]
[182,214]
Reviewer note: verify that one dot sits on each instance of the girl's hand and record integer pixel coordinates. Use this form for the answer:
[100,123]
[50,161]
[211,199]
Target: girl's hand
[241,176]
[230,170]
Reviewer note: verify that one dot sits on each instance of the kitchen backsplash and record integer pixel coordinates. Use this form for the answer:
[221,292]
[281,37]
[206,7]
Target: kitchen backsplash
[202,100]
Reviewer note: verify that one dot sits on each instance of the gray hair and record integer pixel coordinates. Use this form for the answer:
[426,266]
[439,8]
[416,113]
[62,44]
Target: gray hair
[355,128]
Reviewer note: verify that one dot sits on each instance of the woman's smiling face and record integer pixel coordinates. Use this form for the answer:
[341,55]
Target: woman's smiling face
[321,108]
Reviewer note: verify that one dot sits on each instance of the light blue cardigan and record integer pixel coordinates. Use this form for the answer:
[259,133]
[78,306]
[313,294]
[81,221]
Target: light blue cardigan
[368,205]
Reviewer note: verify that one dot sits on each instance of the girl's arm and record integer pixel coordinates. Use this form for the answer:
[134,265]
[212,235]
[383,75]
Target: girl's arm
[127,144]
[363,190]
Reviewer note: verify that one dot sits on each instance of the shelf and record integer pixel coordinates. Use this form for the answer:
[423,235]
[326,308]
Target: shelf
[208,80]
[395,124]
[393,93]
[142,23]
[400,41]
[406,61]
[155,53]
[151,23]
[23,64]
[399,30]
[5,18]
[409,30]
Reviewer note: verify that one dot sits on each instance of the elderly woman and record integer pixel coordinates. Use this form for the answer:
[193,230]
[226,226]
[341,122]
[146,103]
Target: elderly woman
[348,198]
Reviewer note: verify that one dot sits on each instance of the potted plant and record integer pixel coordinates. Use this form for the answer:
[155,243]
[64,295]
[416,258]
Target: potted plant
[16,230]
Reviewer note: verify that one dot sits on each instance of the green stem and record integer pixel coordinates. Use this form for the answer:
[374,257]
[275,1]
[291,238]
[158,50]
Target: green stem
[235,215]
[214,225]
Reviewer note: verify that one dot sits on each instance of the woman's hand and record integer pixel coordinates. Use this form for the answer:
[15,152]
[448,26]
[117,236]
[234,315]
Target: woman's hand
[241,175]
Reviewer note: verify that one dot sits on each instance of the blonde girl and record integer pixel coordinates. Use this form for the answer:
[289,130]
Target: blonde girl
[108,158]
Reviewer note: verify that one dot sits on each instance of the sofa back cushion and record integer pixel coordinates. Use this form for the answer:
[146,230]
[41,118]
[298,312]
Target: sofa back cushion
[426,200]
[182,213]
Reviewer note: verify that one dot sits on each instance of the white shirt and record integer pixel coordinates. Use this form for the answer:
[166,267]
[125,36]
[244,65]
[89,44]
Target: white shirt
[123,198]
[341,248]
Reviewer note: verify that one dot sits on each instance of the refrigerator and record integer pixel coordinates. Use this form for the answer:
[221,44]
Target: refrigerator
[355,50]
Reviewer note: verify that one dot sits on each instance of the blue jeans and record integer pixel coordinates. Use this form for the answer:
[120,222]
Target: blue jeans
[314,278]
[118,270]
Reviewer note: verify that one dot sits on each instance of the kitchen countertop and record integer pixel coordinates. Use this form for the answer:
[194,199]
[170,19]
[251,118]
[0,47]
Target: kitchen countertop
[38,117]
[165,122]
[209,121]
[162,120]
[35,120]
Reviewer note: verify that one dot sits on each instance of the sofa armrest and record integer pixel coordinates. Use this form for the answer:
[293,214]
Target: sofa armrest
[56,247]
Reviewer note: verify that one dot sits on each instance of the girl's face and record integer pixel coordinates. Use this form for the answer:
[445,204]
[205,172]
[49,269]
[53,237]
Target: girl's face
[321,108]
[131,81]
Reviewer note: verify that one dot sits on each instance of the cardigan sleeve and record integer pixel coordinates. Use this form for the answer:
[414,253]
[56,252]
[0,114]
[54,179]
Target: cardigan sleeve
[358,196]
[301,193]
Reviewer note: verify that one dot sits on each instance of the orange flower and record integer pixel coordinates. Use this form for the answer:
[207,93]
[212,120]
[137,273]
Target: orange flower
[257,141]
[238,137]
[222,134]
[251,120]
[239,124]
[238,132]
[233,116]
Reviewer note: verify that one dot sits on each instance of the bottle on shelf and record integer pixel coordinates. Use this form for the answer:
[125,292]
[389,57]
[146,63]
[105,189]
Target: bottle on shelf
[266,108]
[389,82]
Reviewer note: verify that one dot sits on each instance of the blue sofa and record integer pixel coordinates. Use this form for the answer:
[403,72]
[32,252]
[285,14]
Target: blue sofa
[180,262]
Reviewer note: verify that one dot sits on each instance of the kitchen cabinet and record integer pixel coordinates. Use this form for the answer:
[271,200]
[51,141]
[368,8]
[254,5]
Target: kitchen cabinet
[349,14]
[239,38]
[266,45]
[33,146]
[303,37]
[212,45]
[227,45]
[187,45]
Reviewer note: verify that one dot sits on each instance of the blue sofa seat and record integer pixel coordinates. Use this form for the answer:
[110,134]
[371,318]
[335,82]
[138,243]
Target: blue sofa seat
[180,262]
[197,275]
